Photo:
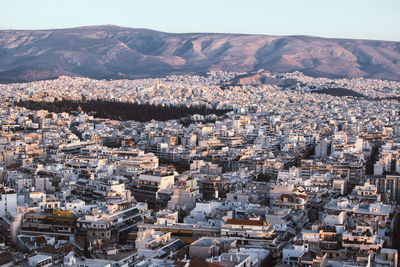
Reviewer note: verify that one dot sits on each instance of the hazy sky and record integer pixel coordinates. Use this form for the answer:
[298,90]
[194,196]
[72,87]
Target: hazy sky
[365,19]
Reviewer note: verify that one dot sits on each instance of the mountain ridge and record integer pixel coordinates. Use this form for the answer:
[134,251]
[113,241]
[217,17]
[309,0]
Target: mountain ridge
[113,52]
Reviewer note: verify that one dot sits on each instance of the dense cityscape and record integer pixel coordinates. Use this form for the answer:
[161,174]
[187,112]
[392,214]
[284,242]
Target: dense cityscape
[298,171]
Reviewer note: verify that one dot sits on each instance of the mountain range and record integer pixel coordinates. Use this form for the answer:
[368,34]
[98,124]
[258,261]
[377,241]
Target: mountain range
[112,52]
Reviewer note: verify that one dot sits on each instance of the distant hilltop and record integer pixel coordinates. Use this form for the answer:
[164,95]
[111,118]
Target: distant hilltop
[112,52]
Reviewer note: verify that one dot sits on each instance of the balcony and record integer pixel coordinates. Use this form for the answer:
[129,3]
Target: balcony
[330,238]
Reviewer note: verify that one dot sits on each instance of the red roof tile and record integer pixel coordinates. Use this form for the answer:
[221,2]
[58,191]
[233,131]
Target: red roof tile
[203,263]
[246,222]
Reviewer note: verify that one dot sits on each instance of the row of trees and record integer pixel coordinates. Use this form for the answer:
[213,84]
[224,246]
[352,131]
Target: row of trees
[338,91]
[121,110]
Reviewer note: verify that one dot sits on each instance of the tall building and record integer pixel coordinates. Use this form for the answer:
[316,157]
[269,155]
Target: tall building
[390,185]
[154,187]
[214,187]
[321,149]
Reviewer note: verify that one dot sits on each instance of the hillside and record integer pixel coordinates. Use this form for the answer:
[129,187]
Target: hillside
[113,52]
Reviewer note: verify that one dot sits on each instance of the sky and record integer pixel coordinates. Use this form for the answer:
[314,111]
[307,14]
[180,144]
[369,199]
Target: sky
[358,19]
